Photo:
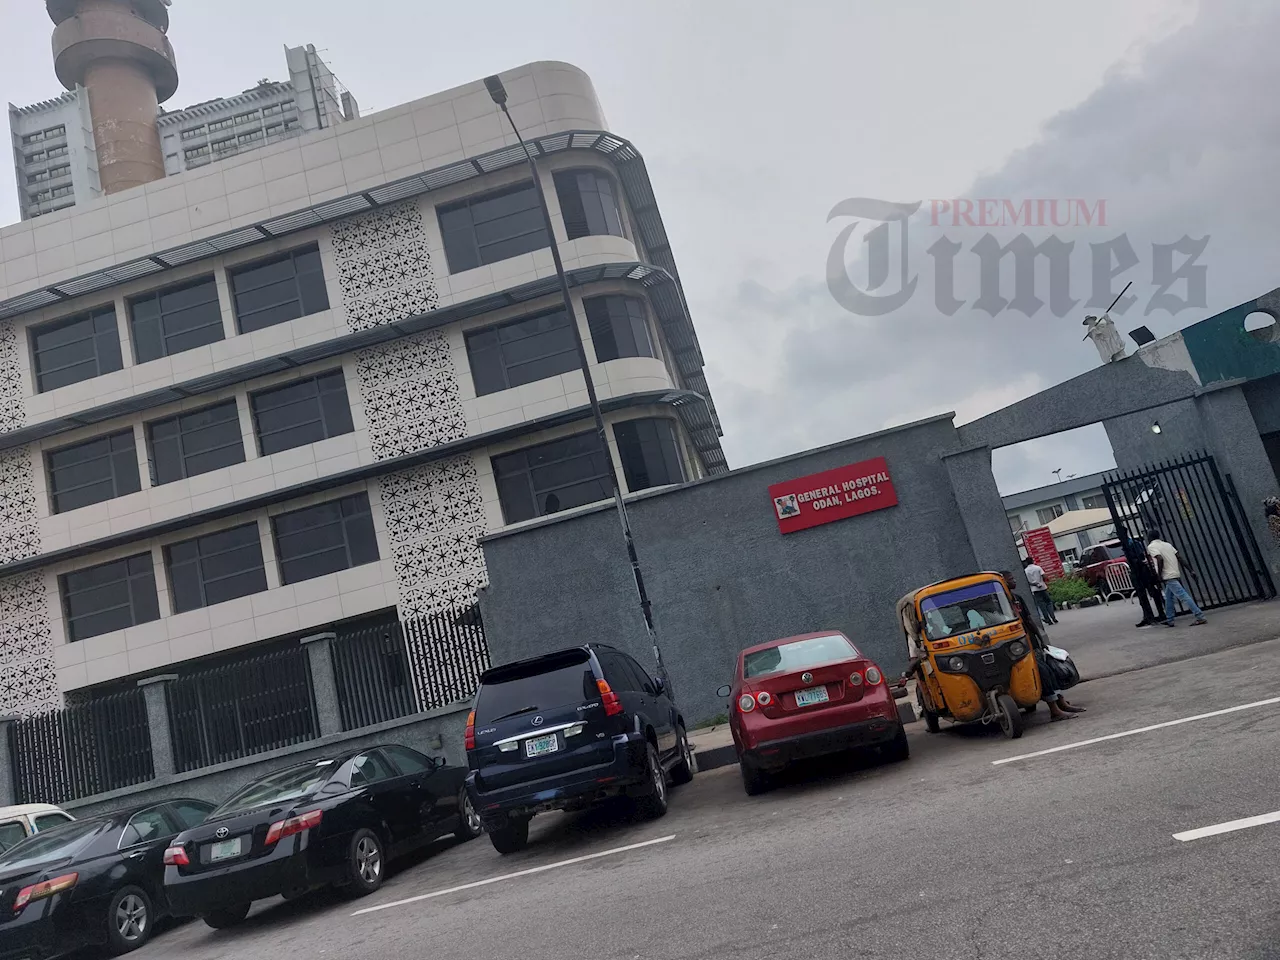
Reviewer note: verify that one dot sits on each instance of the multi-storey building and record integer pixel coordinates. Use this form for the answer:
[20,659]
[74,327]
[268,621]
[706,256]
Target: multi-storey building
[256,398]
[55,155]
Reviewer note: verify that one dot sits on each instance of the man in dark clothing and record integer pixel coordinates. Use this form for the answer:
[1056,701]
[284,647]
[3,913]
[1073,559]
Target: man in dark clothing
[1059,708]
[1145,582]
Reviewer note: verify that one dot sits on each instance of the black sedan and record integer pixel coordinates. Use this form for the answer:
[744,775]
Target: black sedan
[333,821]
[92,881]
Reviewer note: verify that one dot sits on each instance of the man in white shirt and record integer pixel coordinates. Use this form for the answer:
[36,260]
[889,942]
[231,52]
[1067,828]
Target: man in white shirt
[1170,566]
[1040,592]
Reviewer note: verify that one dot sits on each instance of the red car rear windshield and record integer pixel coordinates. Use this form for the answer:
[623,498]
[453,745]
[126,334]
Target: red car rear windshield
[798,655]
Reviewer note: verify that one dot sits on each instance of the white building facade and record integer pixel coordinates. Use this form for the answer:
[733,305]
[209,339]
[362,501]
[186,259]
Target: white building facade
[54,154]
[291,389]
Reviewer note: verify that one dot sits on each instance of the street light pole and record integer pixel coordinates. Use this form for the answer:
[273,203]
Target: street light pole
[499,94]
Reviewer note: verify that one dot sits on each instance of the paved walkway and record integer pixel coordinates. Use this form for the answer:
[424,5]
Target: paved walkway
[1103,640]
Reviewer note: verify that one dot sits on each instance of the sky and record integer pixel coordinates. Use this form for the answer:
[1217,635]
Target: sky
[757,119]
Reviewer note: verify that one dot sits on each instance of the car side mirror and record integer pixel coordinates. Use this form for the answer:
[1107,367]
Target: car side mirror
[724,691]
[659,686]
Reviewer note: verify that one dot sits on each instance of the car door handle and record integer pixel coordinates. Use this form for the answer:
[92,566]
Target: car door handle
[137,856]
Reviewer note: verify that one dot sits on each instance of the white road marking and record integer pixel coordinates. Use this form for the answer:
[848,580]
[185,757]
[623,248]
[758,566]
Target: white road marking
[1228,827]
[512,876]
[1131,733]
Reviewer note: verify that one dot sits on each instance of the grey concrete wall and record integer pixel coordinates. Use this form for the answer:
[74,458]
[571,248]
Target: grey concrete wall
[1264,403]
[722,577]
[1238,448]
[1181,432]
[982,512]
[1101,394]
[435,733]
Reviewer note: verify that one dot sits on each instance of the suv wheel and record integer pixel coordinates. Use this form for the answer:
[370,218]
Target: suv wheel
[653,804]
[511,838]
[685,767]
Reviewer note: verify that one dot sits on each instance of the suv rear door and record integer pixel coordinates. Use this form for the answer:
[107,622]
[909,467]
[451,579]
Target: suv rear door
[540,718]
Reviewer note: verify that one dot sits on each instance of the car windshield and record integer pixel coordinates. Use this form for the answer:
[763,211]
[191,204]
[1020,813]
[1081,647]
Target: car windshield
[536,685]
[55,843]
[278,788]
[797,655]
[966,608]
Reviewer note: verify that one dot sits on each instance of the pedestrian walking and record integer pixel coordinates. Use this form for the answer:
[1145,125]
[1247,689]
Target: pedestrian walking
[1170,566]
[1146,582]
[1040,591]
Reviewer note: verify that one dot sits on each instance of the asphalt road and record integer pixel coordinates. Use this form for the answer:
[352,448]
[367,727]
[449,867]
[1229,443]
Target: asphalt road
[1068,854]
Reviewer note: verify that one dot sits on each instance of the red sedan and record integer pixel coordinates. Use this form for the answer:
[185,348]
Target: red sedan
[807,696]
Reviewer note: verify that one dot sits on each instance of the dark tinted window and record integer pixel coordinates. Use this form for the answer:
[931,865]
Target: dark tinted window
[492,227]
[196,442]
[642,678]
[538,685]
[526,350]
[46,821]
[188,813]
[648,451]
[110,596]
[179,318]
[11,832]
[589,203]
[619,327]
[552,476]
[280,289]
[74,349]
[407,761]
[281,787]
[93,471]
[147,826]
[301,412]
[330,536]
[54,844]
[216,567]
[370,768]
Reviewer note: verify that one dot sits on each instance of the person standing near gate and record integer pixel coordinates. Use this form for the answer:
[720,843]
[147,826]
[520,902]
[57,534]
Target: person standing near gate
[1040,591]
[1170,566]
[1146,584]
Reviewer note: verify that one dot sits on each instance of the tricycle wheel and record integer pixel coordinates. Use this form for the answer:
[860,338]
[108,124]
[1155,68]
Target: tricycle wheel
[1010,716]
[930,718]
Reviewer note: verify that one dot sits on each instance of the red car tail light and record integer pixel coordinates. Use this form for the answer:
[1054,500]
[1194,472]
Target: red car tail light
[746,703]
[287,828]
[855,679]
[44,890]
[176,857]
[612,705]
[764,698]
[873,675]
[469,737]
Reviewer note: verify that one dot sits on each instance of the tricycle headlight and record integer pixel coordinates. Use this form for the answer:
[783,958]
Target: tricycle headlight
[956,664]
[1017,649]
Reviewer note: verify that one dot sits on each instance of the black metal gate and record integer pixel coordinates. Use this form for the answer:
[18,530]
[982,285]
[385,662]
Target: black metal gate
[1196,509]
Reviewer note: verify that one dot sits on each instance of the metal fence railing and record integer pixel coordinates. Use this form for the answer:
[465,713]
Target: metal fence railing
[371,672]
[241,708]
[447,652]
[103,744]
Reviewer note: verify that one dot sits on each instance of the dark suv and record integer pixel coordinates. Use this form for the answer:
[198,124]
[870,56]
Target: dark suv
[566,730]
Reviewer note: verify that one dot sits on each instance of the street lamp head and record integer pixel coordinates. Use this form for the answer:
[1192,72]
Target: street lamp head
[496,90]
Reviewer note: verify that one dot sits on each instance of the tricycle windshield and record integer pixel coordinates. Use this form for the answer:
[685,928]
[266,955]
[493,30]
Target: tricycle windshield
[974,607]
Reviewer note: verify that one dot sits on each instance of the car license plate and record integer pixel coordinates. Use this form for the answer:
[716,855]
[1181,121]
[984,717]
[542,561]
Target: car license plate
[541,745]
[805,698]
[225,850]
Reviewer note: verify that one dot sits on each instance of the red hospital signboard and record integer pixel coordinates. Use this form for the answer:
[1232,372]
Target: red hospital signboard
[1042,549]
[833,495]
